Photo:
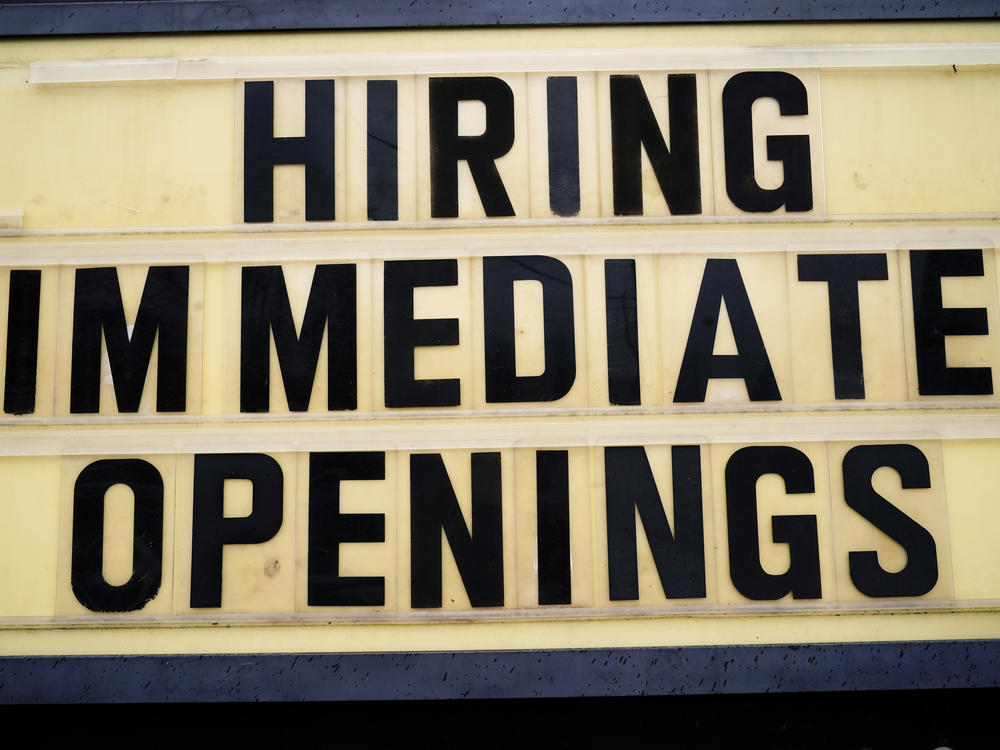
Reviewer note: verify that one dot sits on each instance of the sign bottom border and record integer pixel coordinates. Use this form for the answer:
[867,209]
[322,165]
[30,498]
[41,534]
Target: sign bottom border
[593,672]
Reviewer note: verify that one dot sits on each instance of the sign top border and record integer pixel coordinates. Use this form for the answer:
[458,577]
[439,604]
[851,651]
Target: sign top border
[184,16]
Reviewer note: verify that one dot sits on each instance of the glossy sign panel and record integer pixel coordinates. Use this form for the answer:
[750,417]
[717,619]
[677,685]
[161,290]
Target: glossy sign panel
[436,345]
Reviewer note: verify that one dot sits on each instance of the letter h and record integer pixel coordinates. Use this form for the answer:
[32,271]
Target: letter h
[262,151]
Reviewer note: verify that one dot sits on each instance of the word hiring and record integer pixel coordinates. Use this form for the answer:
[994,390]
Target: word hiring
[630,497]
[634,132]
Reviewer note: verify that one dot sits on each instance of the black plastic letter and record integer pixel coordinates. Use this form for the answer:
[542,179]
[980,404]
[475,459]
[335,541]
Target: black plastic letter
[842,272]
[679,556]
[448,148]
[802,579]
[623,332]
[329,528]
[932,322]
[262,151]
[162,316]
[87,566]
[634,128]
[564,145]
[738,96]
[478,551]
[552,500]
[22,342]
[383,170]
[403,333]
[266,311]
[211,530]
[503,385]
[920,573]
[722,283]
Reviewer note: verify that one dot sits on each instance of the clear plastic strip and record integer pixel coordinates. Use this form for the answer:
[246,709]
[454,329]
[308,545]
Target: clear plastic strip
[11,220]
[554,61]
[617,612]
[127,436]
[507,239]
[741,221]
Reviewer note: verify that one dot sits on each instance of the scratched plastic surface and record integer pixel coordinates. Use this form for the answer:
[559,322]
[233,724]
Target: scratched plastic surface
[606,403]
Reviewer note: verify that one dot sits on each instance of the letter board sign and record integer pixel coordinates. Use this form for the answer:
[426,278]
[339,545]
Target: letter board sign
[414,340]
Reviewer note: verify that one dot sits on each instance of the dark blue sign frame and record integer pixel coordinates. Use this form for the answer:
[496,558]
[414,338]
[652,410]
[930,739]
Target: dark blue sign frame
[695,670]
[183,16]
[509,674]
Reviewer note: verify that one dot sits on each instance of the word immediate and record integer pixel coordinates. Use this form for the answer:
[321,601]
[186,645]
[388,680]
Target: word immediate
[331,317]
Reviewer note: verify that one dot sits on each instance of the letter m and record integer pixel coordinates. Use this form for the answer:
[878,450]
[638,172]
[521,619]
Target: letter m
[267,312]
[162,318]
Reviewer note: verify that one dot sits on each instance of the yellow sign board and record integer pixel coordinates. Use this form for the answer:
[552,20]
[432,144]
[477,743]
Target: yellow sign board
[524,350]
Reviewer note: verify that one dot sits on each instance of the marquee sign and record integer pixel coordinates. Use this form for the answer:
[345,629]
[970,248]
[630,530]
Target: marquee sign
[388,336]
